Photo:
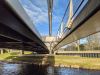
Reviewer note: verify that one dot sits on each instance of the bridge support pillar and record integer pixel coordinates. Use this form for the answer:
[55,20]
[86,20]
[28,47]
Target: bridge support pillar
[51,52]
[1,51]
[8,50]
[21,52]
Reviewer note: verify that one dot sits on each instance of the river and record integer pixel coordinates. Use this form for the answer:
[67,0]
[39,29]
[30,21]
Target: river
[26,69]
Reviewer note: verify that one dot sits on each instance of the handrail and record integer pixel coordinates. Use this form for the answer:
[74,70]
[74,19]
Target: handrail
[73,14]
[92,7]
[63,16]
[77,8]
[64,30]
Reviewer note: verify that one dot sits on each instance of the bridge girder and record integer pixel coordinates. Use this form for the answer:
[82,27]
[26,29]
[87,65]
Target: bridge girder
[86,23]
[14,28]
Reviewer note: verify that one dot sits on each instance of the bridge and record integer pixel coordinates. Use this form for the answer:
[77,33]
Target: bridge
[17,30]
[84,24]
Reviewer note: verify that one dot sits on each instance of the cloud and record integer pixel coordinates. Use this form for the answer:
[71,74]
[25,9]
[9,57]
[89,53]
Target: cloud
[38,14]
[37,17]
[41,4]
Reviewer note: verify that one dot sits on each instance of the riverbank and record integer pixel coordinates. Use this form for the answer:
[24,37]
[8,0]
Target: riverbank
[54,60]
[77,62]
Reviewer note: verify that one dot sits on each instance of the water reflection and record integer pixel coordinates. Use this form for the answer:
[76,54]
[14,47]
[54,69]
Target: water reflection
[69,71]
[24,69]
[50,70]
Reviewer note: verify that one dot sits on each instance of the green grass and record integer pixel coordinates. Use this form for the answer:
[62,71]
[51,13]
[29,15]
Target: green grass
[83,62]
[4,56]
[27,52]
[12,55]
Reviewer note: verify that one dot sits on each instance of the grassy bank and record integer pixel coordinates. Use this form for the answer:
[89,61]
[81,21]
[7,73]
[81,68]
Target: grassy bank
[56,60]
[12,55]
[78,62]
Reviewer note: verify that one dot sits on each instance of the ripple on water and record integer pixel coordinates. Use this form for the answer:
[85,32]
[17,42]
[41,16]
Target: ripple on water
[25,69]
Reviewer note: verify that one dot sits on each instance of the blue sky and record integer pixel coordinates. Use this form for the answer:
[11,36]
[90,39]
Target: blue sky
[38,12]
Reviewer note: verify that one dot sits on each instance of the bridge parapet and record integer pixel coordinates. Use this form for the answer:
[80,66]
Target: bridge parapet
[48,39]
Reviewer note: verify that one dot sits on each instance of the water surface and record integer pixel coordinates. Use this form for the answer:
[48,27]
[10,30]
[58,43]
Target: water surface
[26,69]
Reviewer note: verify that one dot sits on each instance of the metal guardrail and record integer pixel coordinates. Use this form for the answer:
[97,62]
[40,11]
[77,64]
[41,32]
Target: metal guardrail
[95,54]
[64,20]
[75,13]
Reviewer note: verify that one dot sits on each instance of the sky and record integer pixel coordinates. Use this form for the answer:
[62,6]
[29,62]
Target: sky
[37,10]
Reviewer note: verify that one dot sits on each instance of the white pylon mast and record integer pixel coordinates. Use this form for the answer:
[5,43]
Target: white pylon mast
[69,23]
[50,8]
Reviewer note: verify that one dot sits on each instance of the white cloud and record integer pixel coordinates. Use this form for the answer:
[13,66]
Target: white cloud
[36,13]
[37,17]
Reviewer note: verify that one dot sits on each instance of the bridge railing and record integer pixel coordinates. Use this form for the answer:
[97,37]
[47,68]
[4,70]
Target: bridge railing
[83,24]
[76,7]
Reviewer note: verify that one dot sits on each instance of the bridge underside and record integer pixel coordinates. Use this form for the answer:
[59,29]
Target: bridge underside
[86,23]
[15,33]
